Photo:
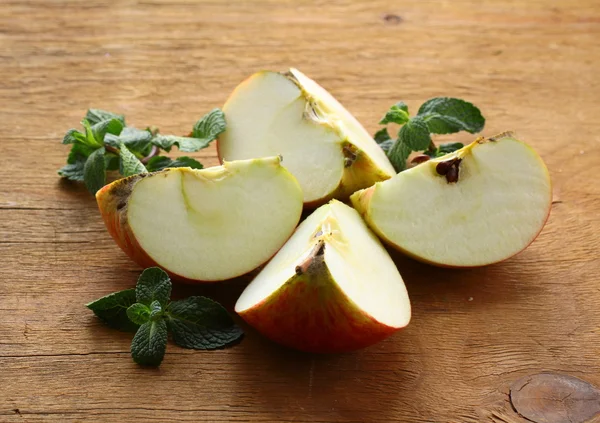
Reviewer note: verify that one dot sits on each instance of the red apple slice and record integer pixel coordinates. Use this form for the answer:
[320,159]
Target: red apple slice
[204,225]
[331,288]
[479,205]
[323,145]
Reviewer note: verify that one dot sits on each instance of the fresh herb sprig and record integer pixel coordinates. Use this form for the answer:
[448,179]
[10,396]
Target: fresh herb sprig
[106,143]
[439,115]
[195,322]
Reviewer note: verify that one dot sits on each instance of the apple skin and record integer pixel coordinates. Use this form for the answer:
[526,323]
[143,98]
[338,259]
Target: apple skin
[361,201]
[311,313]
[112,202]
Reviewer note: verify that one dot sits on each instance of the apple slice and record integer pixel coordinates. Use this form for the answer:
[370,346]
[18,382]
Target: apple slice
[331,288]
[479,205]
[323,145]
[204,225]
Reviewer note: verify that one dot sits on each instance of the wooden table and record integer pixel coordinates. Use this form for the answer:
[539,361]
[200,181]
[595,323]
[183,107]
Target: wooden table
[532,66]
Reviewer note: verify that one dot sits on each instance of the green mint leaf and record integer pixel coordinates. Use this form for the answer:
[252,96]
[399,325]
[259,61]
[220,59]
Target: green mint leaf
[153,284]
[90,139]
[382,136]
[210,126]
[150,343]
[186,144]
[447,148]
[74,136]
[76,162]
[201,323]
[73,171]
[94,171]
[398,154]
[445,115]
[387,145]
[162,162]
[112,310]
[395,115]
[133,138]
[402,106]
[415,134]
[130,165]
[111,161]
[156,310]
[94,116]
[101,129]
[138,313]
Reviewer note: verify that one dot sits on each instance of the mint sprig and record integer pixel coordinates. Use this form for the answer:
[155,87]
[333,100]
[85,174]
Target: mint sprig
[439,115]
[195,322]
[107,144]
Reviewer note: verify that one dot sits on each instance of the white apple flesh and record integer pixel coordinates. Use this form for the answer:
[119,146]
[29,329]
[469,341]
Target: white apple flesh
[322,144]
[331,288]
[497,206]
[204,225]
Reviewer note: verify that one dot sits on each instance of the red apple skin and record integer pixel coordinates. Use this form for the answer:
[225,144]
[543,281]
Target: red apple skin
[312,314]
[112,202]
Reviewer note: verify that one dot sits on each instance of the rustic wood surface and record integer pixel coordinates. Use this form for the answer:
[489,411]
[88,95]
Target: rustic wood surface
[532,66]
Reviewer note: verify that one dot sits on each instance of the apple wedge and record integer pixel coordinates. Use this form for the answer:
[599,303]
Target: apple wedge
[331,288]
[322,144]
[479,205]
[204,225]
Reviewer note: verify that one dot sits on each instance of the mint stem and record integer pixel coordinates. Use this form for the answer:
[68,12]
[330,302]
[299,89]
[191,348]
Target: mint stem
[152,153]
[144,160]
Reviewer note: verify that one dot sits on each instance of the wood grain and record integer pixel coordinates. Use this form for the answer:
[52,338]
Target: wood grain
[532,66]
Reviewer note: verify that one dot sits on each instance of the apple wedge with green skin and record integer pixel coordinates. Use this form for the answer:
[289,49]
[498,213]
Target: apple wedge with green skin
[476,206]
[323,145]
[204,225]
[331,288]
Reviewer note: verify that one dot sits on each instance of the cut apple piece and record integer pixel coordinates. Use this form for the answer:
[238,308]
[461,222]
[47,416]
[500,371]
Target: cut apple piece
[204,225]
[479,205]
[331,288]
[322,144]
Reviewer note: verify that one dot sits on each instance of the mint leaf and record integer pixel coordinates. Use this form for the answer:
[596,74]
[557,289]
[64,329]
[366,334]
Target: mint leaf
[94,116]
[382,136]
[112,310]
[133,138]
[130,165]
[398,154]
[446,115]
[111,161]
[201,323]
[156,310]
[153,284]
[162,162]
[415,134]
[101,129]
[138,313]
[74,136]
[94,171]
[396,114]
[186,144]
[205,131]
[210,126]
[90,139]
[150,343]
[73,171]
[450,147]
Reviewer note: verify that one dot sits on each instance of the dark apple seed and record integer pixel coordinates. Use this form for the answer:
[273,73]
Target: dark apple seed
[421,158]
[443,167]
[452,174]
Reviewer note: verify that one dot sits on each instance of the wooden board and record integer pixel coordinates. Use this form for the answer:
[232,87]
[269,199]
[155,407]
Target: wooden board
[532,66]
